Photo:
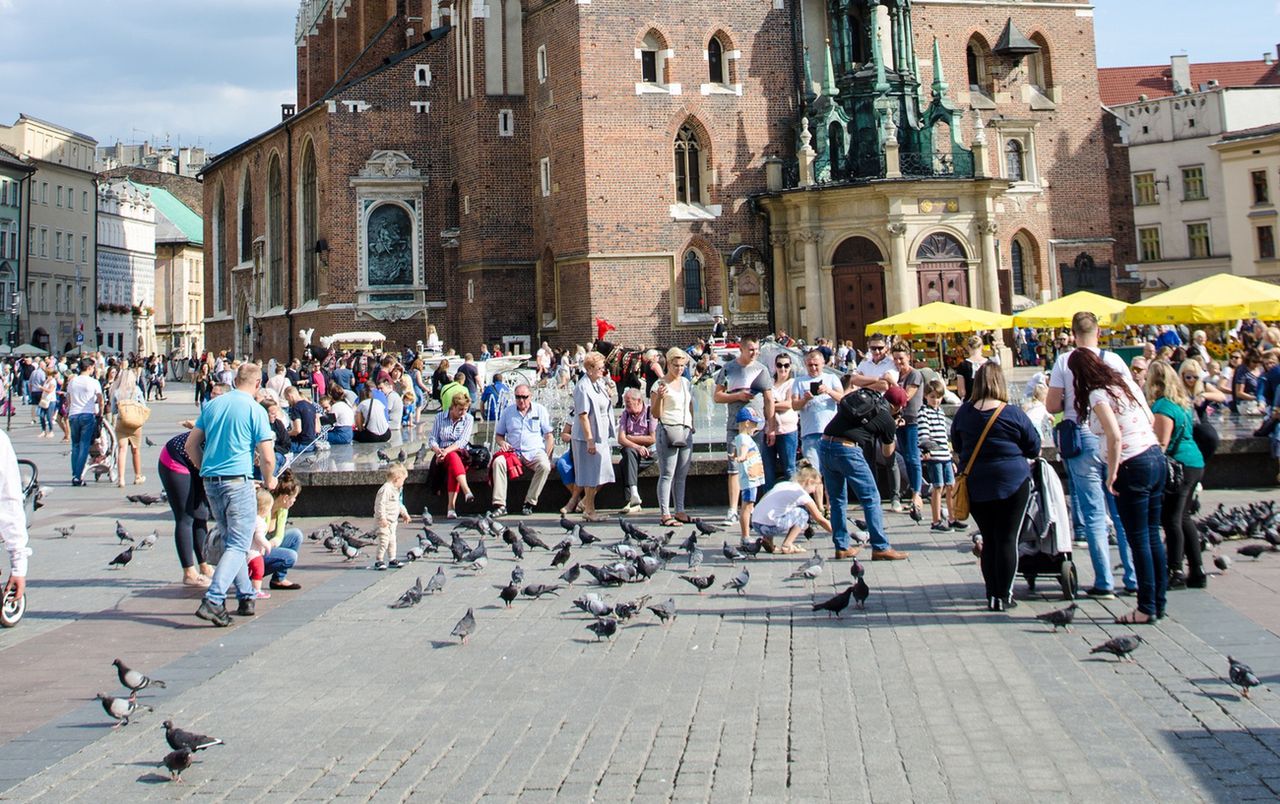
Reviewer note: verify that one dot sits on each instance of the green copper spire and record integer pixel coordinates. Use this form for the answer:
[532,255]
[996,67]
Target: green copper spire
[809,97]
[939,80]
[829,83]
[882,83]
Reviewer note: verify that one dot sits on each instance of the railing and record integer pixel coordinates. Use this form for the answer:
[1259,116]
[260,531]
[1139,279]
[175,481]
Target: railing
[933,164]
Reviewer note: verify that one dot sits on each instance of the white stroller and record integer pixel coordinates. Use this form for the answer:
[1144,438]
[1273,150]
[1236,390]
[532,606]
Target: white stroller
[1044,543]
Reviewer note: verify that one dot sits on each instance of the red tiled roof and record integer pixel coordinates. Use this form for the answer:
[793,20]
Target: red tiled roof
[1119,85]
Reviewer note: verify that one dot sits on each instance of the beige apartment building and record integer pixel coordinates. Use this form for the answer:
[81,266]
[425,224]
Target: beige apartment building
[58,298]
[1251,191]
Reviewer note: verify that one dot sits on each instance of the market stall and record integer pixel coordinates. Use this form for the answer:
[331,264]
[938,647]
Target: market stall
[937,330]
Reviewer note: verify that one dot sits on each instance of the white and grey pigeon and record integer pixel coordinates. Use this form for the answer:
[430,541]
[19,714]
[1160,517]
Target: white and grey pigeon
[149,540]
[436,584]
[426,517]
[807,573]
[739,582]
[120,708]
[133,679]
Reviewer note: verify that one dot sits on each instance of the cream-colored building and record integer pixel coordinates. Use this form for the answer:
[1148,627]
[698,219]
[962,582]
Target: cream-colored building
[1251,192]
[57,304]
[179,285]
[126,268]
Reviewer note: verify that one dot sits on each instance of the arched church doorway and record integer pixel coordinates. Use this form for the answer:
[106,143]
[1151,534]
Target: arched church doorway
[857,278]
[942,270]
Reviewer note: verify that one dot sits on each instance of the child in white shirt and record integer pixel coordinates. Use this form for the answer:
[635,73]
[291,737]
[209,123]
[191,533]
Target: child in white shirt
[387,511]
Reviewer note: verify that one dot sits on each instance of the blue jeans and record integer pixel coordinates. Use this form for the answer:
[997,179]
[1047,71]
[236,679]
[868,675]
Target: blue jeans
[843,466]
[783,451]
[46,418]
[1087,471]
[1139,494]
[809,449]
[234,506]
[81,436]
[909,448]
[340,435]
[281,559]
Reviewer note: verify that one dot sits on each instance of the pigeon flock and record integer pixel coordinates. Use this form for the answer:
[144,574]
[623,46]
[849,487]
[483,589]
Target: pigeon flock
[1258,520]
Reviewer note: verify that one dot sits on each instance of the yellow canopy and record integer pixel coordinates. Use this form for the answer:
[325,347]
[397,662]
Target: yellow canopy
[1214,299]
[1058,313]
[938,317]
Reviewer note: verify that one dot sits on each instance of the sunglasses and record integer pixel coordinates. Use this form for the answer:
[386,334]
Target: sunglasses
[522,396]
[875,348]
[783,365]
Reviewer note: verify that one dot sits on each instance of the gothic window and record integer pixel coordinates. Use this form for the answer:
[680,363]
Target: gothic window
[309,203]
[976,55]
[246,219]
[1038,65]
[688,163]
[389,244]
[695,297]
[275,234]
[715,61]
[1015,161]
[649,60]
[1016,267]
[542,64]
[219,252]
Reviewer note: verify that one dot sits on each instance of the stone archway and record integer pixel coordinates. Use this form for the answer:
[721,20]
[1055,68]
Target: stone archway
[857,279]
[943,270]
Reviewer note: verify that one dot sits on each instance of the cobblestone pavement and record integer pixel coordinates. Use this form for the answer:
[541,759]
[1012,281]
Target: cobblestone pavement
[327,693]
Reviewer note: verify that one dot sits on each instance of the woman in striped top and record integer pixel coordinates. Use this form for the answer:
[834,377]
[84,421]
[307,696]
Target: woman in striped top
[935,450]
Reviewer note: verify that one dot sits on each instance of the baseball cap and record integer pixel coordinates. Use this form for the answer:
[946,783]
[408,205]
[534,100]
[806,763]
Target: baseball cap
[749,415]
[896,396]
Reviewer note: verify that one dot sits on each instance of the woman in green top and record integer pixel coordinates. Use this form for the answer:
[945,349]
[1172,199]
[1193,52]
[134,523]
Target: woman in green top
[1173,422]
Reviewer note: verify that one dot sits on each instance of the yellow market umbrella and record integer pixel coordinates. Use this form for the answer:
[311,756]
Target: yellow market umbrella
[1058,313]
[939,317]
[1212,300]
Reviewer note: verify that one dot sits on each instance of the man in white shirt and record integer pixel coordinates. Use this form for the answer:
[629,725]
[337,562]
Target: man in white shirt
[13,519]
[1091,502]
[278,382]
[84,403]
[870,372]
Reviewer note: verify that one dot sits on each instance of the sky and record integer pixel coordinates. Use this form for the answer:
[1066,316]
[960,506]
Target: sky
[214,72]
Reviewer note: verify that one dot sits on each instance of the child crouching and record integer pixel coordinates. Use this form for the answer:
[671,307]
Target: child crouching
[387,511]
[787,510]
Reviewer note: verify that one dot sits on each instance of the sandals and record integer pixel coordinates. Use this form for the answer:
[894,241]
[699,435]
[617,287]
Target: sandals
[594,516]
[669,522]
[1132,618]
[789,549]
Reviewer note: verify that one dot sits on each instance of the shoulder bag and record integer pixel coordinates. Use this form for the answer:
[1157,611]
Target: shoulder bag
[679,435]
[960,498]
[1174,479]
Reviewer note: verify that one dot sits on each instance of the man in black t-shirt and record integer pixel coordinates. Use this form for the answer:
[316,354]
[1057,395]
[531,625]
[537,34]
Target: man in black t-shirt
[863,419]
[304,418]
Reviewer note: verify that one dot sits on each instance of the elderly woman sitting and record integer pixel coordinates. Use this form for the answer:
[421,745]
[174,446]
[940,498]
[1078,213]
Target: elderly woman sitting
[636,431]
[450,435]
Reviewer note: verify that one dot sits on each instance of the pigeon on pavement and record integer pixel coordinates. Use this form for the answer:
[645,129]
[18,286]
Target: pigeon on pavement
[807,573]
[537,590]
[1253,551]
[176,762]
[732,553]
[411,597]
[64,532]
[180,738]
[586,537]
[561,557]
[751,547]
[517,575]
[593,604]
[1122,646]
[149,540]
[861,591]
[148,441]
[133,679]
[603,628]
[1242,676]
[427,519]
[529,537]
[665,611]
[704,528]
[835,605]
[436,584]
[567,524]
[465,627]
[123,559]
[1061,618]
[739,582]
[695,558]
[1222,562]
[509,593]
[120,708]
[570,575]
[699,582]
[122,535]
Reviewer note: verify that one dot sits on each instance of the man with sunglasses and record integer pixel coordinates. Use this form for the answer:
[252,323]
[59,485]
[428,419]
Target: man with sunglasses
[742,383]
[524,430]
[870,372]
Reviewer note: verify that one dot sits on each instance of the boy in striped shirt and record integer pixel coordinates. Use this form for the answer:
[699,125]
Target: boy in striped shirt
[935,450]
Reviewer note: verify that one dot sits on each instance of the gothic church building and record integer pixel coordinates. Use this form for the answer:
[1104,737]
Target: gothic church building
[509,170]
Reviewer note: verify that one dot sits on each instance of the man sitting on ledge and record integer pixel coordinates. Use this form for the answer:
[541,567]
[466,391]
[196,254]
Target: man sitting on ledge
[524,439]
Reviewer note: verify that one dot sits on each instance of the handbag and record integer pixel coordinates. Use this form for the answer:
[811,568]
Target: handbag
[1066,437]
[1175,471]
[960,497]
[132,414]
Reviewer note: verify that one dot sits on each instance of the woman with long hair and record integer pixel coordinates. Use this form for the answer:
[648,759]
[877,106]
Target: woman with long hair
[126,390]
[1203,395]
[1115,410]
[1174,424]
[968,368]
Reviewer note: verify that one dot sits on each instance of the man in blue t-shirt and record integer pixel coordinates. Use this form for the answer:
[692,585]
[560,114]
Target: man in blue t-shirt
[231,428]
[495,398]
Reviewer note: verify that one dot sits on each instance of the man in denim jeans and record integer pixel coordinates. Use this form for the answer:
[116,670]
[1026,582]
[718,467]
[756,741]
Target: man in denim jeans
[230,429]
[1087,470]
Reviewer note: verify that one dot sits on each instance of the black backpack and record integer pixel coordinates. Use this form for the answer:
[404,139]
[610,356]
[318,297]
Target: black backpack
[862,405]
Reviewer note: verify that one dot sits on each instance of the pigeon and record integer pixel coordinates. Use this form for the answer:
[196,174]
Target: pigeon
[65,532]
[332,543]
[1242,676]
[624,551]
[436,584]
[177,762]
[861,591]
[648,566]
[566,524]
[471,523]
[509,593]
[704,528]
[665,611]
[510,535]
[149,540]
[700,582]
[915,514]
[537,590]
[856,569]
[563,543]
[586,537]
[476,553]
[695,558]
[148,441]
[732,553]
[361,542]
[411,597]
[531,539]
[427,519]
[739,582]
[836,604]
[1122,646]
[383,456]
[816,560]
[807,573]
[123,559]
[146,499]
[459,548]
[413,554]
[593,604]
[603,628]
[517,549]
[121,534]
[400,457]
[570,575]
[517,575]
[133,679]
[1252,550]
[465,627]
[1222,562]
[751,547]
[180,738]
[429,536]
[120,708]
[1061,618]
[350,552]
[690,543]
[561,557]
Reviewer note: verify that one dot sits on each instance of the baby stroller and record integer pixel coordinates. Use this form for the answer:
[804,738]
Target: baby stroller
[102,452]
[1044,542]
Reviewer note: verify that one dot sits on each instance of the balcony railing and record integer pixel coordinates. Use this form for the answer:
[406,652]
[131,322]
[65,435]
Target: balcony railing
[933,164]
[863,168]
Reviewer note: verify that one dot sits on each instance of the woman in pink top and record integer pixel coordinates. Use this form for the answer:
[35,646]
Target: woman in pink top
[1113,408]
[782,432]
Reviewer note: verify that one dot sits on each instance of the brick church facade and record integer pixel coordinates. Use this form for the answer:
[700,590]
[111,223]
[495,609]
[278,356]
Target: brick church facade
[509,171]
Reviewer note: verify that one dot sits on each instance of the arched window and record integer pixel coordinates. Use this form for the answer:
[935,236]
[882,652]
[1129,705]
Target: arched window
[1016,266]
[308,204]
[715,61]
[220,252]
[275,236]
[976,54]
[653,67]
[1015,161]
[688,158]
[1038,67]
[695,297]
[940,246]
[246,219]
